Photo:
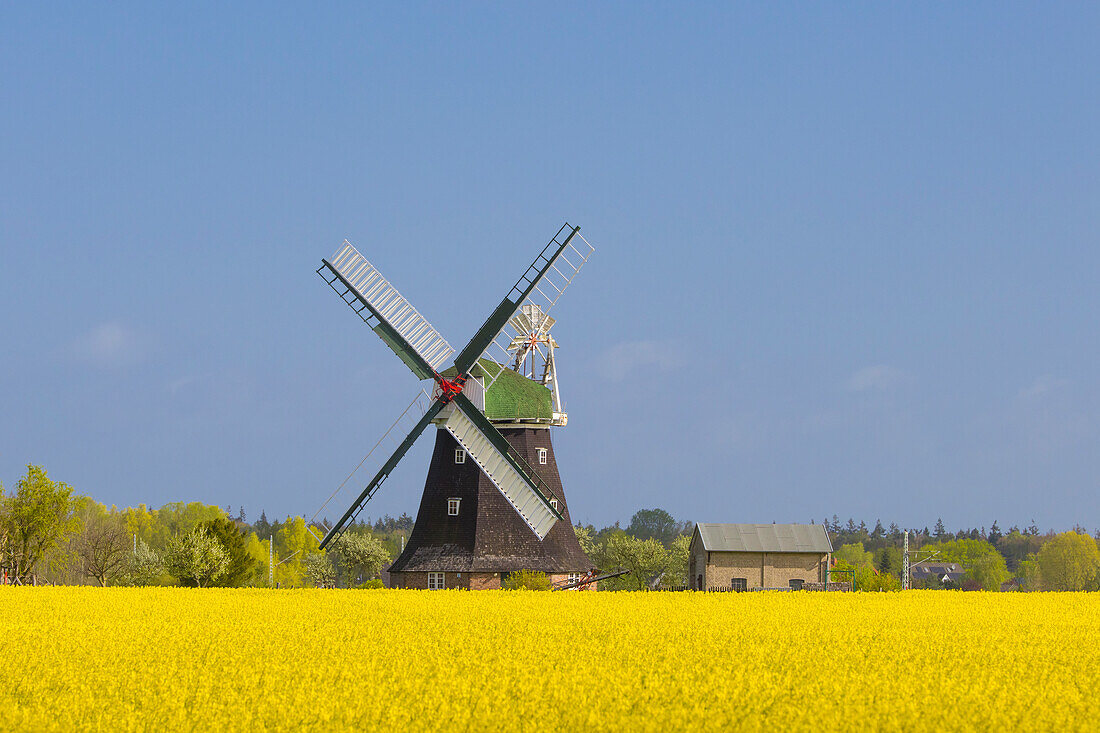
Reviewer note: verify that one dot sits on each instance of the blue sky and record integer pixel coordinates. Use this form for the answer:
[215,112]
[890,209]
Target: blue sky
[846,257]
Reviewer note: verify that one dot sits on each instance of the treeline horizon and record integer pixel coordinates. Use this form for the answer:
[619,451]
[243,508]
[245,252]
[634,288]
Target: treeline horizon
[49,531]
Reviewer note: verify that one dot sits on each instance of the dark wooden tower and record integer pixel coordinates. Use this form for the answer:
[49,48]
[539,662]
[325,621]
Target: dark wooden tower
[467,534]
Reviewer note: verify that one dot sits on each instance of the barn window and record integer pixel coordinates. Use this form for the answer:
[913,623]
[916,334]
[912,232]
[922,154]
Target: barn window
[460,456]
[542,456]
[796,583]
[452,507]
[739,584]
[435,581]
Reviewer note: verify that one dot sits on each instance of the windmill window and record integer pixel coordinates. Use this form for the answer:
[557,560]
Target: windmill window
[460,456]
[573,578]
[739,584]
[542,456]
[452,507]
[554,503]
[435,581]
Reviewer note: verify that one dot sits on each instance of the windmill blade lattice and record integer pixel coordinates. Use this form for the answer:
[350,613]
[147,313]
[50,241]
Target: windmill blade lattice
[525,491]
[386,311]
[542,285]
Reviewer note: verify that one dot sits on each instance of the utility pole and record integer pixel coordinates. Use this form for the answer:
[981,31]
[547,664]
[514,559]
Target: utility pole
[271,561]
[905,562]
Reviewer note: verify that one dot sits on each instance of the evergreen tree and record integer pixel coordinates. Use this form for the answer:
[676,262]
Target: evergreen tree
[262,527]
[995,533]
[241,566]
[941,531]
[879,532]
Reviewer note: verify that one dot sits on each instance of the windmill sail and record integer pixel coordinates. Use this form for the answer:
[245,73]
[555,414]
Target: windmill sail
[519,484]
[386,311]
[541,285]
[383,473]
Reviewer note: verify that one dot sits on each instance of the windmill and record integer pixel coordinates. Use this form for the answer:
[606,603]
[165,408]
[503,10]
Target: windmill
[516,334]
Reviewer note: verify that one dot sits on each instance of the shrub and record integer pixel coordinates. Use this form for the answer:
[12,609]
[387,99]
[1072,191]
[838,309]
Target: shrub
[527,580]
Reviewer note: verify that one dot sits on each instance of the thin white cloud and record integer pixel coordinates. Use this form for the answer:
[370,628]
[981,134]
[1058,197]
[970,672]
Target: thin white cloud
[108,345]
[875,378]
[1041,386]
[628,357]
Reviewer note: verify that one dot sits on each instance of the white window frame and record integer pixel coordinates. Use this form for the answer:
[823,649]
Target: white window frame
[452,506]
[437,581]
[573,578]
[542,456]
[460,456]
[554,503]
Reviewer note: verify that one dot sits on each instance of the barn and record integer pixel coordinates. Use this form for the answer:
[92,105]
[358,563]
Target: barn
[755,556]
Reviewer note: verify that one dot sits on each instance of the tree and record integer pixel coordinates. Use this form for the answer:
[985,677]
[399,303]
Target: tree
[988,571]
[940,530]
[853,556]
[142,567]
[38,518]
[242,566]
[879,532]
[584,537]
[320,570]
[981,561]
[654,524]
[888,560]
[527,580]
[676,563]
[1029,574]
[196,558]
[358,557]
[1070,561]
[995,534]
[103,548]
[643,558]
[866,579]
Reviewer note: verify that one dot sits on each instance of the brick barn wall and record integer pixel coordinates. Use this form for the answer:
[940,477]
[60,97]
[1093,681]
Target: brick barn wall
[725,566]
[781,568]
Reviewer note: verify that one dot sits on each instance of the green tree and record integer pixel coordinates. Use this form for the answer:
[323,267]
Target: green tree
[988,571]
[38,518]
[196,558]
[676,563]
[527,580]
[1070,561]
[584,537]
[888,560]
[1029,574]
[981,561]
[853,556]
[654,524]
[144,567]
[242,566]
[358,557]
[866,579]
[643,558]
[320,570]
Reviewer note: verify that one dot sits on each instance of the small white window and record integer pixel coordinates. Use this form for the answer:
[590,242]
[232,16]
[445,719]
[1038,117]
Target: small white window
[452,507]
[573,578]
[460,456]
[542,456]
[554,503]
[435,581]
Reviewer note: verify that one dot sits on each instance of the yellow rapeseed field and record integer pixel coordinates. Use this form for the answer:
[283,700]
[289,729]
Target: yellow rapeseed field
[173,658]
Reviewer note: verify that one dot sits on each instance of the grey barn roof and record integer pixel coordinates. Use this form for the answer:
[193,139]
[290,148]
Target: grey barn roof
[764,537]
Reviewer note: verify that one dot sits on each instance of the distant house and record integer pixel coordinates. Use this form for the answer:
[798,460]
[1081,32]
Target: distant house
[748,556]
[944,572]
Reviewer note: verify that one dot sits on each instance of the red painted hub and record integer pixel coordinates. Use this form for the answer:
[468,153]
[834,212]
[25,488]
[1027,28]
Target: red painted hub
[450,388]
